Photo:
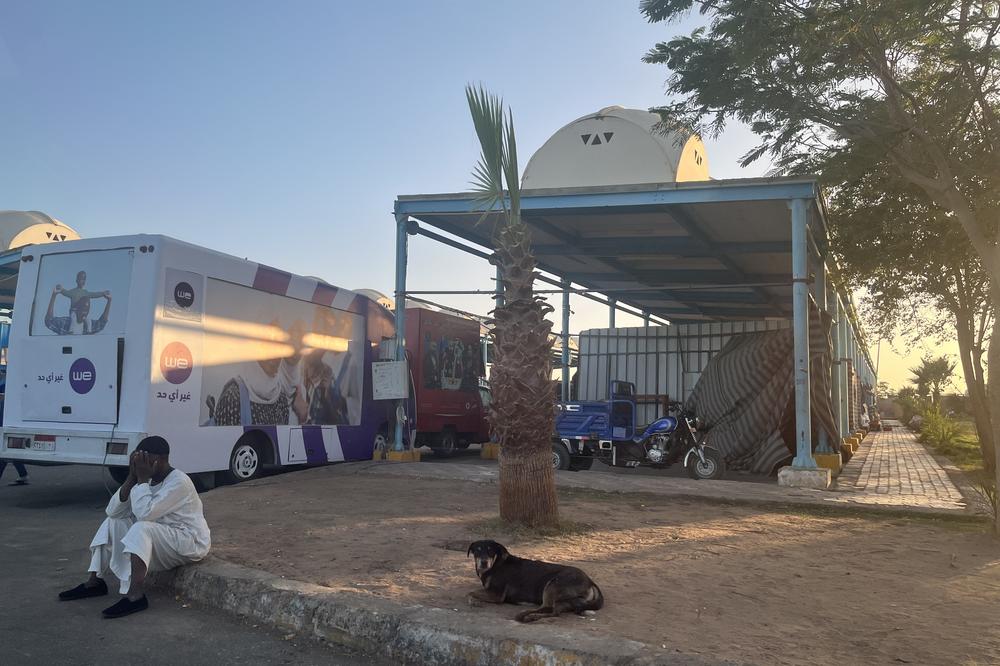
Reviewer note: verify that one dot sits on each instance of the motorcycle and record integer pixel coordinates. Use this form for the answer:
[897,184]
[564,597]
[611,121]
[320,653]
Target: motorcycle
[604,430]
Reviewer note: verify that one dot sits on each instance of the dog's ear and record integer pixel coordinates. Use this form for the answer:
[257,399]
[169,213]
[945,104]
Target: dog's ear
[468,553]
[499,549]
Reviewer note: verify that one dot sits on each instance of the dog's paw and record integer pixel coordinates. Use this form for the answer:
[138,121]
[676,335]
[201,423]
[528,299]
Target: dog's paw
[471,599]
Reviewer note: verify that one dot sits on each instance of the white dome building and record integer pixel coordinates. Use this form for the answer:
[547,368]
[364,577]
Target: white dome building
[615,146]
[19,228]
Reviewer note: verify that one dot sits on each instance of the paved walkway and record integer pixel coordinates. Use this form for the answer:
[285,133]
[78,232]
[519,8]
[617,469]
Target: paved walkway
[943,501]
[894,468]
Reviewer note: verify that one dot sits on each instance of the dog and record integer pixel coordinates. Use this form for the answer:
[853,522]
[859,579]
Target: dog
[554,588]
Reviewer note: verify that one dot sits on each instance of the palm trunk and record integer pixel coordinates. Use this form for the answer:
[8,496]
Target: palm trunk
[528,489]
[522,412]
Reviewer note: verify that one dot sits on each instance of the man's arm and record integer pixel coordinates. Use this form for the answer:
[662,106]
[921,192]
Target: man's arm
[119,505]
[52,302]
[146,506]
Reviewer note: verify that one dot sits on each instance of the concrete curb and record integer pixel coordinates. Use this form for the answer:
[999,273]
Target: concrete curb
[405,634]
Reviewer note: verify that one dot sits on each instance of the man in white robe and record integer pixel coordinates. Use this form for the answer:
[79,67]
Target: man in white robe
[155,523]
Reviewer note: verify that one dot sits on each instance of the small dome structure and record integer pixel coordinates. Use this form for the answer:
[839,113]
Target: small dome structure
[19,228]
[615,146]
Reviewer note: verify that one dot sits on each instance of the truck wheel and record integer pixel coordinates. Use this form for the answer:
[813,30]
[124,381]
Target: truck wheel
[560,456]
[246,462]
[446,445]
[581,463]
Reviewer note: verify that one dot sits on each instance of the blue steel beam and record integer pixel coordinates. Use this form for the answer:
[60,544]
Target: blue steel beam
[401,251]
[703,296]
[468,202]
[565,341]
[800,330]
[820,294]
[657,277]
[572,239]
[680,246]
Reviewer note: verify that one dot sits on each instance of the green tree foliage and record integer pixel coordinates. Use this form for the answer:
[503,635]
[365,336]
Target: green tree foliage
[921,275]
[931,377]
[913,85]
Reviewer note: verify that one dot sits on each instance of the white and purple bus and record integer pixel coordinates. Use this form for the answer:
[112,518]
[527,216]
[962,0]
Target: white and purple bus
[237,364]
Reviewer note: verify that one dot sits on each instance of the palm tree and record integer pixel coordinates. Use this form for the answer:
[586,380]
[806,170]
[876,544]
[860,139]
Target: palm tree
[932,376]
[522,414]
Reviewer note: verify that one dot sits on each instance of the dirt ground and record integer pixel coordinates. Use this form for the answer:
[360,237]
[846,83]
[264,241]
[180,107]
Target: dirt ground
[730,582]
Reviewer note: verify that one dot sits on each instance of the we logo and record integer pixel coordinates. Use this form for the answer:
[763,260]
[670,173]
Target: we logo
[176,363]
[82,375]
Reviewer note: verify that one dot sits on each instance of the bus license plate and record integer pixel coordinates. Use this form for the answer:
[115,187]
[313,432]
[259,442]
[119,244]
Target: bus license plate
[42,446]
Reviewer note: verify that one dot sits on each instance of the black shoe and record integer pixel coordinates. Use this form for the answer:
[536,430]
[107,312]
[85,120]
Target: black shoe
[125,607]
[81,591]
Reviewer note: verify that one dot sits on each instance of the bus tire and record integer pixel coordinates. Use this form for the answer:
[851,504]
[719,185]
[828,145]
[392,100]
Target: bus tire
[119,474]
[246,462]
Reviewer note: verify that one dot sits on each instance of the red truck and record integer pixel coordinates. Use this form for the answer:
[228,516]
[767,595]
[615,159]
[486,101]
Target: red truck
[446,363]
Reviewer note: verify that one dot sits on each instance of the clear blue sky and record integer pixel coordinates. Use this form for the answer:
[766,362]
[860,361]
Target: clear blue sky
[283,131]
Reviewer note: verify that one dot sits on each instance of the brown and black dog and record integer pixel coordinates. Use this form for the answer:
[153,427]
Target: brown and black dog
[554,587]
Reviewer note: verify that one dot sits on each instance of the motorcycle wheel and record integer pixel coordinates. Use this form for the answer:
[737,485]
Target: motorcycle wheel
[712,469]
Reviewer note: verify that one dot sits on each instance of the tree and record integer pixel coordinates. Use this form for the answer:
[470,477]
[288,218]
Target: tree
[932,376]
[904,81]
[921,275]
[521,413]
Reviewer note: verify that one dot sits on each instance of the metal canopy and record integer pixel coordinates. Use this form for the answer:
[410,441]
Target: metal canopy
[700,251]
[747,249]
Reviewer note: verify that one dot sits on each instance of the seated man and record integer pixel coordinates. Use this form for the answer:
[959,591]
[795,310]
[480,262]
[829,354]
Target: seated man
[154,523]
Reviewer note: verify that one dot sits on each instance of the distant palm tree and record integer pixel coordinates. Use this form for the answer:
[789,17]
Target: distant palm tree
[932,376]
[522,414]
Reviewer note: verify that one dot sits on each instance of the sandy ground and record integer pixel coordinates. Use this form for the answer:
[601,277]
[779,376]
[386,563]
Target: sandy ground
[722,581]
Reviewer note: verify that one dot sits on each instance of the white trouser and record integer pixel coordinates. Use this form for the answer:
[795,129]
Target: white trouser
[161,548]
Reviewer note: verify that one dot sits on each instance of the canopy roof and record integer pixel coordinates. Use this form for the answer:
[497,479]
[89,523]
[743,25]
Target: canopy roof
[689,251]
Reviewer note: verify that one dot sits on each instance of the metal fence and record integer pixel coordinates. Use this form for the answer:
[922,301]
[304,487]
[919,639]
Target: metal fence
[664,362]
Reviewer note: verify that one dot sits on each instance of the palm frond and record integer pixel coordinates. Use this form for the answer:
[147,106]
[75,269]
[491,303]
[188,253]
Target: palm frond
[495,177]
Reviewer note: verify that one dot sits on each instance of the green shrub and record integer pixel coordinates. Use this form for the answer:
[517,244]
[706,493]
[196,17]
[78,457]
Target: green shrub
[938,430]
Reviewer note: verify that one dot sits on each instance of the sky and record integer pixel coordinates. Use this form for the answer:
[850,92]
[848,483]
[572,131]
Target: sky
[282,132]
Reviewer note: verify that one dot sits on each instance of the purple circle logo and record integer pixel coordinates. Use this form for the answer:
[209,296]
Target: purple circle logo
[82,375]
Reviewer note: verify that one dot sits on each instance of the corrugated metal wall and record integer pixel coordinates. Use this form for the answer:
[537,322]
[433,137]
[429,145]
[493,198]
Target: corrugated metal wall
[662,361]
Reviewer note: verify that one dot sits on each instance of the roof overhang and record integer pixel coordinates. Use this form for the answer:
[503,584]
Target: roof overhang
[694,251]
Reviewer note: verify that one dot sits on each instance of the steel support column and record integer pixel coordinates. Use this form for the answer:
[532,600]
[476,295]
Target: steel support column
[402,240]
[565,341]
[800,324]
[645,319]
[837,378]
[612,306]
[820,294]
[845,369]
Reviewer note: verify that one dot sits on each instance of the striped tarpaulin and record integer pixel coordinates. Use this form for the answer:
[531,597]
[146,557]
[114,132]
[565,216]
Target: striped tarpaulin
[747,394]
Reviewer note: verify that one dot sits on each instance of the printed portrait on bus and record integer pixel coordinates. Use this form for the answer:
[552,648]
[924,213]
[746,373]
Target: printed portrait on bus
[74,292]
[274,360]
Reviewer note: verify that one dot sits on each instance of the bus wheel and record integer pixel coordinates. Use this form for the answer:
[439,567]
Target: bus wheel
[119,474]
[246,461]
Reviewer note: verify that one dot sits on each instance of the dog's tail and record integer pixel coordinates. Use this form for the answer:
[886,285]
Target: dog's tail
[593,599]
